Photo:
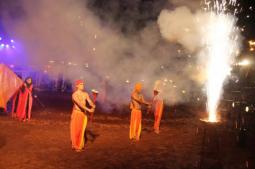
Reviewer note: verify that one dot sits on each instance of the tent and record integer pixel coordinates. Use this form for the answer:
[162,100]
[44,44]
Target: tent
[9,84]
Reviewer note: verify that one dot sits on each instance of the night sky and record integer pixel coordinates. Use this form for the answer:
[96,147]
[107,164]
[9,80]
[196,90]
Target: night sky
[138,12]
[132,15]
[247,18]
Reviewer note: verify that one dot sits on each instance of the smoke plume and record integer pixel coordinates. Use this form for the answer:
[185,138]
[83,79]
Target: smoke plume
[75,38]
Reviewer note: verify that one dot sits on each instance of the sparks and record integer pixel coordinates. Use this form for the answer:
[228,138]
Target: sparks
[221,42]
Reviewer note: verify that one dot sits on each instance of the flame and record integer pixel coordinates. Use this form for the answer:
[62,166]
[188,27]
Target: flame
[221,38]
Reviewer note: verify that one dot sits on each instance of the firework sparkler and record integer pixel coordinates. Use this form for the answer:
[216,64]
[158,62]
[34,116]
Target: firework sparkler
[221,39]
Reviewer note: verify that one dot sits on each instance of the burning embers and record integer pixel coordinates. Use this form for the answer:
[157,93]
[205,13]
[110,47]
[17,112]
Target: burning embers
[212,118]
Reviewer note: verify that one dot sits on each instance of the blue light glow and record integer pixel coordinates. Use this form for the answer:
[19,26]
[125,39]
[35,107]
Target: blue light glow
[7,44]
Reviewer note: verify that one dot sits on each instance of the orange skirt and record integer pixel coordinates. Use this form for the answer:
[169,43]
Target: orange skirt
[158,115]
[135,124]
[78,126]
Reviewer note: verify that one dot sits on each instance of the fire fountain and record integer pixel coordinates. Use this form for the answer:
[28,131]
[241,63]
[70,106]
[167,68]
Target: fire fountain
[221,41]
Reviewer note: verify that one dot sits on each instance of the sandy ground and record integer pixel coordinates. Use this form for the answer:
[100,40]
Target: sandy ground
[44,142]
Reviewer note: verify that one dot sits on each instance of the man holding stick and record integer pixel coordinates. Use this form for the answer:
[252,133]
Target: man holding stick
[79,115]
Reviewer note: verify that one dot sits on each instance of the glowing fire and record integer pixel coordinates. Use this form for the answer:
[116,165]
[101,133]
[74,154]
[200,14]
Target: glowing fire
[221,41]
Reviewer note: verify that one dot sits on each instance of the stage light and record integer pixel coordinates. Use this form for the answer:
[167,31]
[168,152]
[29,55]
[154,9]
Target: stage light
[7,46]
[12,41]
[2,45]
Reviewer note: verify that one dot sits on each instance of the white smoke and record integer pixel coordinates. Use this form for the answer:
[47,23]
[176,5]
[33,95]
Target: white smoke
[193,5]
[213,38]
[66,37]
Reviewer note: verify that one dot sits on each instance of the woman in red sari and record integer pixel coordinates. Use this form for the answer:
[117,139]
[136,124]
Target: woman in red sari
[15,101]
[25,100]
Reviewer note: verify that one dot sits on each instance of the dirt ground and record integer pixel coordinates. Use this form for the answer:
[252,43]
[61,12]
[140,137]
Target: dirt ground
[44,142]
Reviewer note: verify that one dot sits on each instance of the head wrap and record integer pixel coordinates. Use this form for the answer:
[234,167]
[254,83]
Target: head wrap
[77,82]
[138,86]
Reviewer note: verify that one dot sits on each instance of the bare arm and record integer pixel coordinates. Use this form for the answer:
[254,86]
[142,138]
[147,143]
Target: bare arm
[139,100]
[145,102]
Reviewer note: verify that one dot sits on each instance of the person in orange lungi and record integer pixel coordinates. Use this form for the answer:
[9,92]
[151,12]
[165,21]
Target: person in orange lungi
[158,105]
[136,115]
[79,117]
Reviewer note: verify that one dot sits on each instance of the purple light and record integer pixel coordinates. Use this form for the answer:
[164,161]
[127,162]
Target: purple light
[2,45]
[0,38]
[13,46]
[12,41]
[7,46]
